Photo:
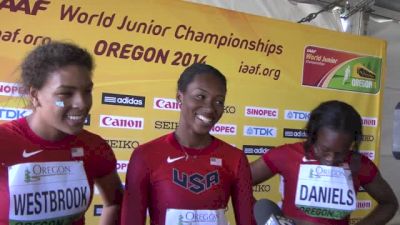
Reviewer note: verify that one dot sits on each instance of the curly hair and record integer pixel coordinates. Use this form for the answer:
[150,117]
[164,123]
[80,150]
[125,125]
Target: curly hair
[47,58]
[335,115]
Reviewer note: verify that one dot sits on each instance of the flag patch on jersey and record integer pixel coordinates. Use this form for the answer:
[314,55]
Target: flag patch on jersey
[77,152]
[215,161]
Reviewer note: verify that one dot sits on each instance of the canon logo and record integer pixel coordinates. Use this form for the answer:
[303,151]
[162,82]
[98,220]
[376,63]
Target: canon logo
[125,100]
[223,129]
[369,121]
[11,89]
[166,104]
[121,122]
[258,112]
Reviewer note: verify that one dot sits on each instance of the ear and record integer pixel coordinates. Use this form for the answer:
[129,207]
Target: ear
[179,97]
[33,94]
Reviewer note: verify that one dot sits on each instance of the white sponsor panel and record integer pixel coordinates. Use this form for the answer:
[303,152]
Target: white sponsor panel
[297,115]
[122,166]
[123,122]
[256,131]
[166,104]
[223,129]
[369,121]
[259,112]
[13,113]
[11,89]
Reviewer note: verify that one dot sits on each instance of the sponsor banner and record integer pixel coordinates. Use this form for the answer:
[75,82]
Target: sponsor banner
[259,112]
[11,89]
[97,210]
[165,125]
[369,121]
[368,153]
[256,131]
[122,122]
[122,166]
[294,133]
[297,115]
[223,129]
[13,113]
[364,204]
[166,104]
[124,100]
[255,149]
[125,144]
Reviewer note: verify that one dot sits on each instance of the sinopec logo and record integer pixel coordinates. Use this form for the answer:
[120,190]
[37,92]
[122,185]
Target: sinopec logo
[258,112]
[296,115]
[28,7]
[255,149]
[125,100]
[11,89]
[122,166]
[229,109]
[166,104]
[369,154]
[223,129]
[13,113]
[122,144]
[254,131]
[294,133]
[165,125]
[121,122]
[369,121]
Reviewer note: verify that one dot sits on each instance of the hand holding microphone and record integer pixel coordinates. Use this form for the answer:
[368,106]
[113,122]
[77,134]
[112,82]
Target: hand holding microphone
[267,212]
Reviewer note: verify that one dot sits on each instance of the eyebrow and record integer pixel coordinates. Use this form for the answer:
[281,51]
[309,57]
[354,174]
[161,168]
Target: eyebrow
[73,87]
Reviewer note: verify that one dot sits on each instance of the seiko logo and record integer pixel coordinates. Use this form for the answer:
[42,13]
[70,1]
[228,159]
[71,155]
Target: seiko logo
[262,188]
[28,7]
[11,89]
[13,113]
[166,125]
[223,129]
[251,111]
[296,115]
[294,133]
[229,109]
[126,100]
[166,104]
[368,138]
[369,154]
[122,166]
[259,131]
[122,144]
[369,121]
[121,122]
[87,120]
[255,149]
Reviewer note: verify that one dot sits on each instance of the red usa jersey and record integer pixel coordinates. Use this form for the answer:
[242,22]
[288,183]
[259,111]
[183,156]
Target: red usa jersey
[163,175]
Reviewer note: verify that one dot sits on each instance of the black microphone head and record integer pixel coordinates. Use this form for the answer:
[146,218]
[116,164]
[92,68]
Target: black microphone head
[263,209]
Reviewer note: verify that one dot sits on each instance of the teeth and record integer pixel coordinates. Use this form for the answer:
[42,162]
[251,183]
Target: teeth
[204,119]
[75,117]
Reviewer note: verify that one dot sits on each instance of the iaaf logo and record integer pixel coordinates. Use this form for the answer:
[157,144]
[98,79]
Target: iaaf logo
[121,122]
[126,100]
[122,166]
[369,154]
[11,89]
[166,104]
[369,121]
[267,113]
[294,133]
[13,113]
[25,6]
[296,115]
[255,149]
[223,129]
[259,131]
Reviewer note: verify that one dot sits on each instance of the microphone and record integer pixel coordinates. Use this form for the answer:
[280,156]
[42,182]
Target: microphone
[267,212]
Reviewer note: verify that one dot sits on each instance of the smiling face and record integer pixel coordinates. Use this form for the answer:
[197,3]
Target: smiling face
[332,147]
[62,104]
[202,104]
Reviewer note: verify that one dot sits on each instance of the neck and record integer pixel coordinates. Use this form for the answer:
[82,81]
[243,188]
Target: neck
[191,140]
[42,131]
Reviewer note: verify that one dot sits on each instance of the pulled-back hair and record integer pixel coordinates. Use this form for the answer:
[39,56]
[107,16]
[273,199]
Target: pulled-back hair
[337,116]
[47,58]
[197,69]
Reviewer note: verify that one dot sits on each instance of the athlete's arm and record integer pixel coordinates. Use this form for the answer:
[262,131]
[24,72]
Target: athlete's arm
[387,206]
[136,195]
[110,189]
[242,194]
[260,171]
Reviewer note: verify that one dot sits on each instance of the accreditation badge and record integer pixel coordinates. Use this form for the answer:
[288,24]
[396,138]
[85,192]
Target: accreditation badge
[195,217]
[325,191]
[47,192]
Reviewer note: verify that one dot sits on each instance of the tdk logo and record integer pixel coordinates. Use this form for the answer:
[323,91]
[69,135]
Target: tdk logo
[122,166]
[296,115]
[28,7]
[166,104]
[251,111]
[369,154]
[369,121]
[13,113]
[121,122]
[125,100]
[11,89]
[259,131]
[294,133]
[255,149]
[223,129]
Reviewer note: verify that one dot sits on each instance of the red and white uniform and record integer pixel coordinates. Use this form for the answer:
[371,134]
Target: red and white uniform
[162,178]
[48,181]
[286,159]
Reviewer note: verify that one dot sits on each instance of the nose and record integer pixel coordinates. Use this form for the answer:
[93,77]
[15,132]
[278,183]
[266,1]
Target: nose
[82,100]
